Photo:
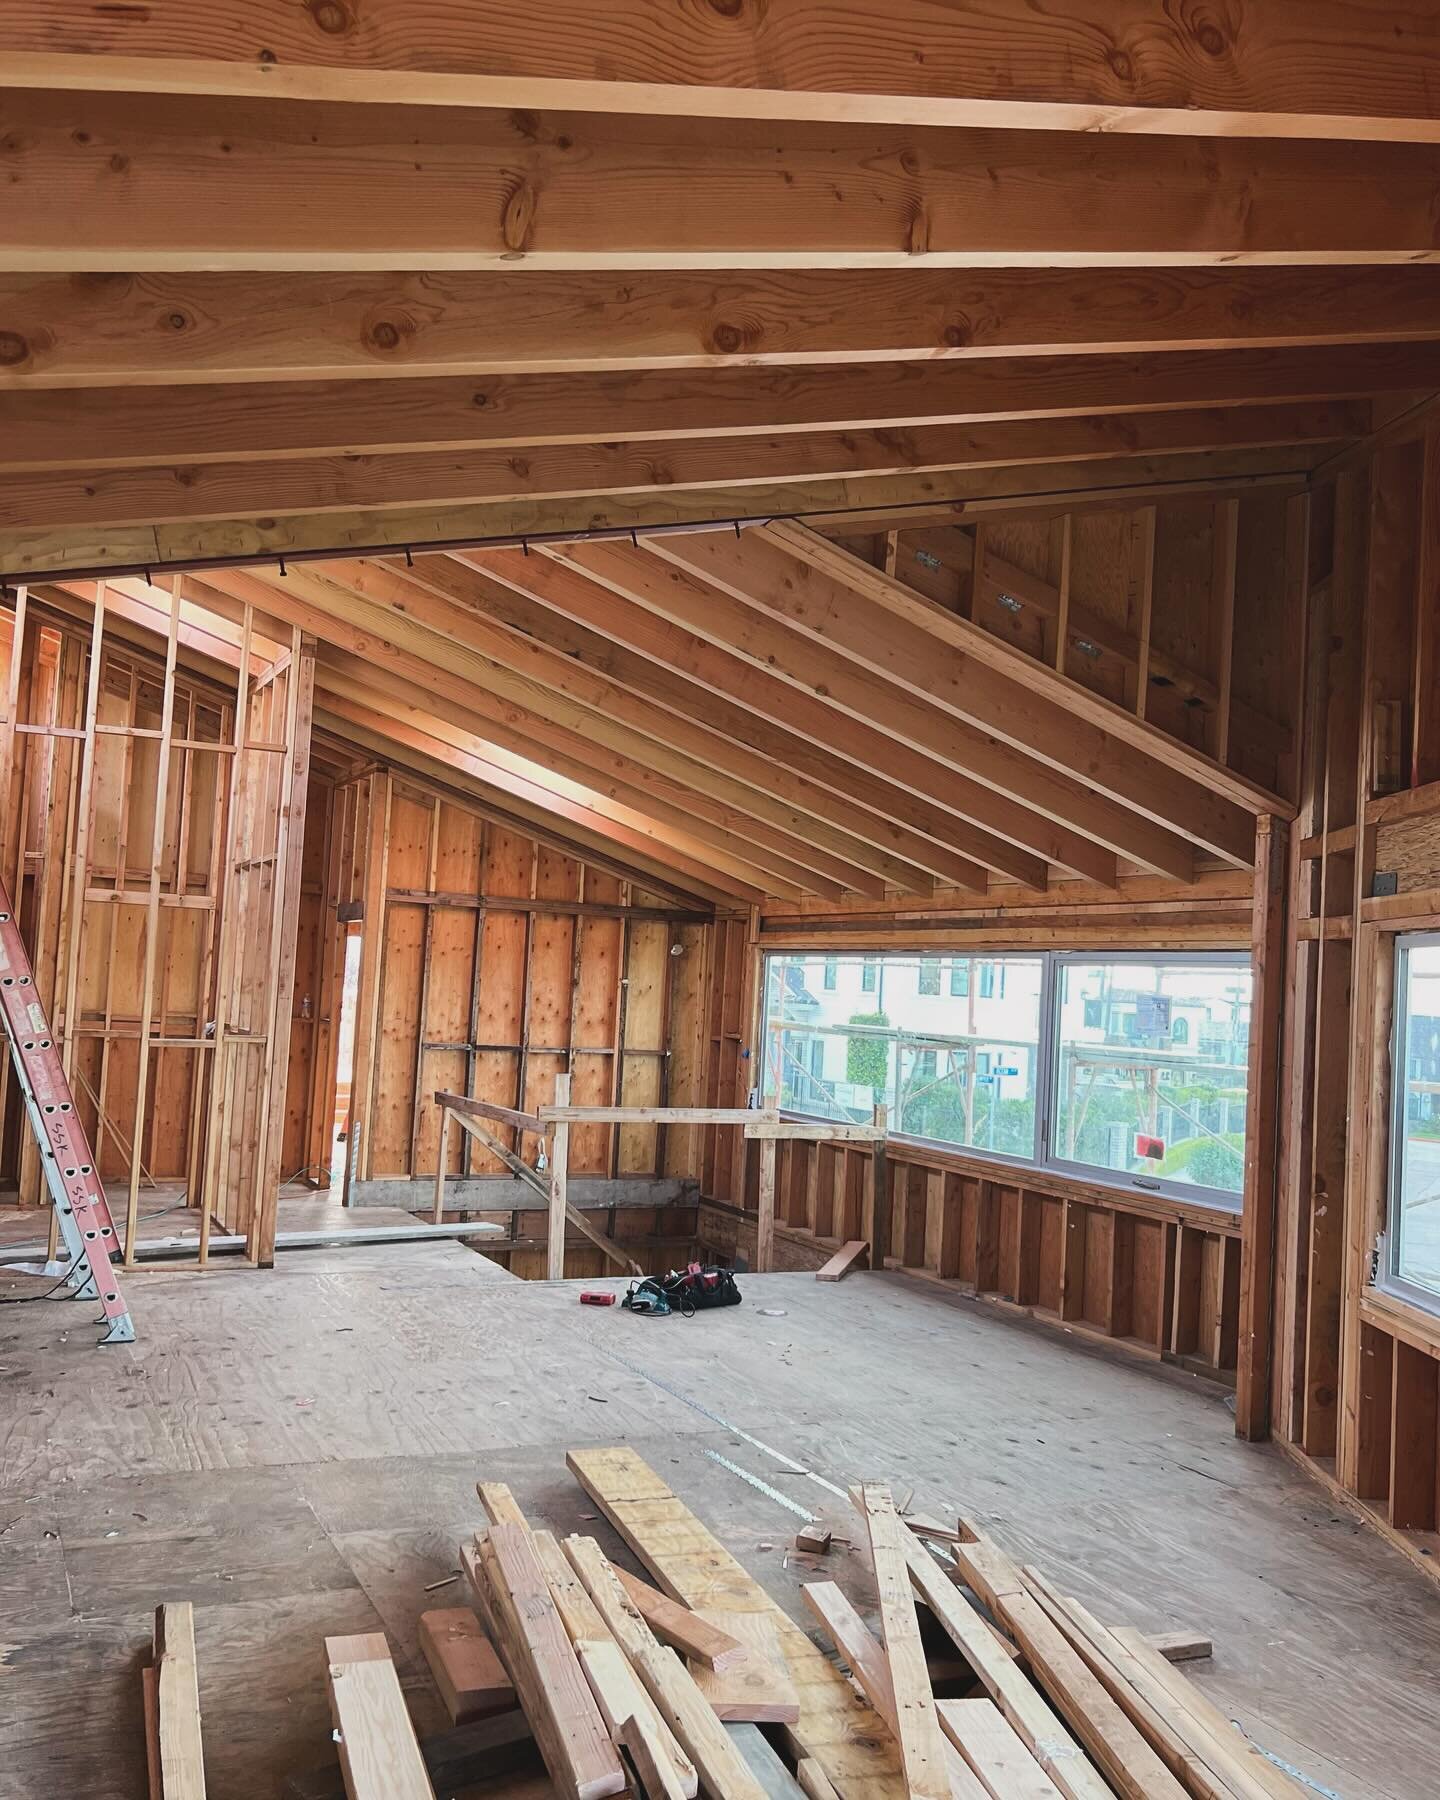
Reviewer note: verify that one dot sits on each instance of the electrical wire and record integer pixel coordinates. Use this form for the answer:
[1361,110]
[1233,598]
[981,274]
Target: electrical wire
[26,1299]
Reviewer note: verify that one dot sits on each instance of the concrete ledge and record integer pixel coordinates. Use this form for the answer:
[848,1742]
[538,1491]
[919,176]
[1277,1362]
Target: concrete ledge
[505,1193]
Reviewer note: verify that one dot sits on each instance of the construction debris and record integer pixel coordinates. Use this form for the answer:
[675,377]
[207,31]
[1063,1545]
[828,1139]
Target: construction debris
[700,1685]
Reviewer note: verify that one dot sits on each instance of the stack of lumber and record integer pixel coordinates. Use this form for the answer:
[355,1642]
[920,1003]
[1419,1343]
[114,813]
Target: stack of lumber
[573,1678]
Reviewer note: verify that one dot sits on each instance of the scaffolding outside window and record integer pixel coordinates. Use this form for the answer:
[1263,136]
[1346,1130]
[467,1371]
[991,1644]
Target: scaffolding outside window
[1126,1069]
[1409,1264]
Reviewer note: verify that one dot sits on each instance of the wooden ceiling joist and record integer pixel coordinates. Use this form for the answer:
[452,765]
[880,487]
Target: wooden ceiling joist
[158,329]
[1284,69]
[298,186]
[86,498]
[85,427]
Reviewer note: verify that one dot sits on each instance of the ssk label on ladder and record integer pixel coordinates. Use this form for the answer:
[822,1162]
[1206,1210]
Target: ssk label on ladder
[76,1191]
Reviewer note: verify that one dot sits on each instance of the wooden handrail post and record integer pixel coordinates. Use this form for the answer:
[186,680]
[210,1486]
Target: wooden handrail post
[765,1218]
[440,1165]
[879,1220]
[559,1159]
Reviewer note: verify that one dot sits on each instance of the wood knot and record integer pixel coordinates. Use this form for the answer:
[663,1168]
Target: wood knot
[383,335]
[518,219]
[14,350]
[329,16]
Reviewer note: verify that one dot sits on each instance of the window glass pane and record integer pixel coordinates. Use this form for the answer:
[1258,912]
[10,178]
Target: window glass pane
[1151,1072]
[1415,1201]
[956,1061]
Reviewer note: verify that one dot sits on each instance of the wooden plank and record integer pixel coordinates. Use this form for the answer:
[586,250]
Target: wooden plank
[765,1208]
[482,1751]
[1357,80]
[330,327]
[685,1711]
[436,190]
[207,423]
[557,1700]
[559,1152]
[759,1689]
[619,1692]
[848,1256]
[1039,1729]
[379,1756]
[1110,1737]
[841,1734]
[1262,1145]
[180,1751]
[700,1638]
[917,1729]
[471,1679]
[871,1670]
[1004,1767]
[763,1762]
[657,1777]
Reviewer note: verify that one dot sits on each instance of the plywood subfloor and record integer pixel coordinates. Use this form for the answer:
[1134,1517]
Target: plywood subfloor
[296,1451]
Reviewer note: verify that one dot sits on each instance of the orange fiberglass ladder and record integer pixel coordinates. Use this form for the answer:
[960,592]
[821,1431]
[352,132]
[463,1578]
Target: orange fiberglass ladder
[81,1210]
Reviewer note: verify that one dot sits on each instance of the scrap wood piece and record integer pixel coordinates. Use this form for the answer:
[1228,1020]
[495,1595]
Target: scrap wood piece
[844,1260]
[1180,1646]
[759,1690]
[991,1747]
[917,1727]
[1038,1727]
[175,1751]
[583,1763]
[835,1728]
[764,1763]
[871,1669]
[1127,1758]
[624,1694]
[698,1637]
[669,1682]
[812,1780]
[814,1539]
[1254,1771]
[501,1506]
[1153,1714]
[656,1773]
[379,1757]
[457,1758]
[468,1672]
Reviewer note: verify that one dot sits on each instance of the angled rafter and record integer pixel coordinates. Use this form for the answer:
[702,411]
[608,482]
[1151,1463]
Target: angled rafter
[1097,66]
[625,600]
[841,603]
[849,688]
[388,618]
[443,748]
[671,808]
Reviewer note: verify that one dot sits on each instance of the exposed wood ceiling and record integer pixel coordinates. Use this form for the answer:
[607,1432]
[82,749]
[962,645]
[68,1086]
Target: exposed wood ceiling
[362,277]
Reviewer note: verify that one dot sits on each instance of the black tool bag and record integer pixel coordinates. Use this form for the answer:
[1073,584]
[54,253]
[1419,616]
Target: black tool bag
[696,1289]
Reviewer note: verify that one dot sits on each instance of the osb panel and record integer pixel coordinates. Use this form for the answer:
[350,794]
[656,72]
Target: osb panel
[1410,849]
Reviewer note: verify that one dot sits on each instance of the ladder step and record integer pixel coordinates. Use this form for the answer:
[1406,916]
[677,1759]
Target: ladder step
[76,1190]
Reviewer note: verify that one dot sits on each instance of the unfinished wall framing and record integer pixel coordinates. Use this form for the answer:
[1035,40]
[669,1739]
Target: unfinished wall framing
[150,839]
[491,963]
[1356,1365]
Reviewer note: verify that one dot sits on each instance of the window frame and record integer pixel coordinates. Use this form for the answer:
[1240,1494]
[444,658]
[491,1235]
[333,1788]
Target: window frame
[1042,1159]
[1387,1278]
[1218,1199]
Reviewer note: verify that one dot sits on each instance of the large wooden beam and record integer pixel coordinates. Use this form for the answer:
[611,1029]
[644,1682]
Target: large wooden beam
[162,494]
[1121,66]
[215,543]
[110,183]
[164,328]
[89,427]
